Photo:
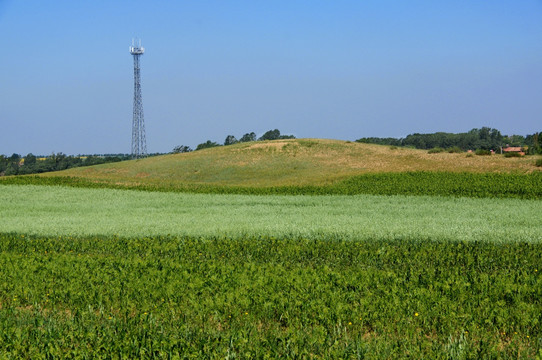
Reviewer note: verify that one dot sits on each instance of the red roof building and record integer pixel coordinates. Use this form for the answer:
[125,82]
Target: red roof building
[512,149]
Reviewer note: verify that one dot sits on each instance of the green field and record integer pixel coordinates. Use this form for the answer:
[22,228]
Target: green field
[267,298]
[434,263]
[62,211]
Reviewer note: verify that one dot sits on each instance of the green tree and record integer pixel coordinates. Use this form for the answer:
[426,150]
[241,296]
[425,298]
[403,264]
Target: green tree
[30,160]
[3,163]
[248,137]
[13,164]
[270,135]
[15,158]
[93,160]
[181,149]
[206,145]
[230,140]
[29,165]
[12,169]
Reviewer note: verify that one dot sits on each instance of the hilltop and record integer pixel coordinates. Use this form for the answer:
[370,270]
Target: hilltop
[290,162]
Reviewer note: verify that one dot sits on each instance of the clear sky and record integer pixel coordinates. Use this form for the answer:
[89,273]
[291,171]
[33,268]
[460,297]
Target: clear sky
[341,69]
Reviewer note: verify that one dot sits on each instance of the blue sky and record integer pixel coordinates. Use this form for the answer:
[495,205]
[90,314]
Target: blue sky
[323,69]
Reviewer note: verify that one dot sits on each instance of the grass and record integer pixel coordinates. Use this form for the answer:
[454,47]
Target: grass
[295,162]
[53,210]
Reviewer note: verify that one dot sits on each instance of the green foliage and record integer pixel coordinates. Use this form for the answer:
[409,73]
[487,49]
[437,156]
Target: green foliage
[514,140]
[512,154]
[436,150]
[454,149]
[248,137]
[484,138]
[230,140]
[30,160]
[482,152]
[11,169]
[262,297]
[206,145]
[17,165]
[380,141]
[274,135]
[181,149]
[270,135]
[534,143]
[538,162]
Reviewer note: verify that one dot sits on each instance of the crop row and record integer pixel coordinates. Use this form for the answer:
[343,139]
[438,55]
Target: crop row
[478,185]
[267,298]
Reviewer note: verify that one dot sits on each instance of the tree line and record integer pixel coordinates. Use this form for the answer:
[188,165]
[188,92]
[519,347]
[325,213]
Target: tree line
[231,139]
[31,164]
[476,139]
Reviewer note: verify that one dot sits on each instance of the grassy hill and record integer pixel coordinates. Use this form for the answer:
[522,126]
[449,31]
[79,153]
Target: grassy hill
[292,162]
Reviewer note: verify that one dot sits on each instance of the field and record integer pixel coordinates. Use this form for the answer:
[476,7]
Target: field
[266,298]
[435,263]
[61,211]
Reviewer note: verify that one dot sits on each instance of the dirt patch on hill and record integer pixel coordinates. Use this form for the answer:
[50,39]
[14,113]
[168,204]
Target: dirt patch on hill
[277,144]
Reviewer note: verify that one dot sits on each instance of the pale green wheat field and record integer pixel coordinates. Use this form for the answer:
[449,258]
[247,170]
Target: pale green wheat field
[62,211]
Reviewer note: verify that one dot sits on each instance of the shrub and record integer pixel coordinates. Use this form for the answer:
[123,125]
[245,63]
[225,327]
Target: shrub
[436,150]
[181,149]
[454,149]
[512,154]
[538,162]
[482,152]
[470,155]
[206,145]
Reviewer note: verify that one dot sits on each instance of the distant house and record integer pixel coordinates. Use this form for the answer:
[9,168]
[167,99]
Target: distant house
[516,149]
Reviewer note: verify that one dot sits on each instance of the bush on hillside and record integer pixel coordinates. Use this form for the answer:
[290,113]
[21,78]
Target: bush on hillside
[482,152]
[512,154]
[206,145]
[436,150]
[230,140]
[181,149]
[248,137]
[274,135]
[454,149]
[538,162]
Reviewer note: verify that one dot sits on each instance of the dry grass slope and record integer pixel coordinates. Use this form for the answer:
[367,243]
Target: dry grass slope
[289,162]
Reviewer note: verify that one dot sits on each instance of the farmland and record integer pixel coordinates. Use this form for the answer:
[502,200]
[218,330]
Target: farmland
[268,297]
[61,211]
[426,262]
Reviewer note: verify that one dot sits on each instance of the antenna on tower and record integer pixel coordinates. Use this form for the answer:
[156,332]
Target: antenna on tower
[139,142]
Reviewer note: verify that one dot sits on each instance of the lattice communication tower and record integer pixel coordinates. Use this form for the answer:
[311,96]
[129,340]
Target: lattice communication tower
[139,142]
